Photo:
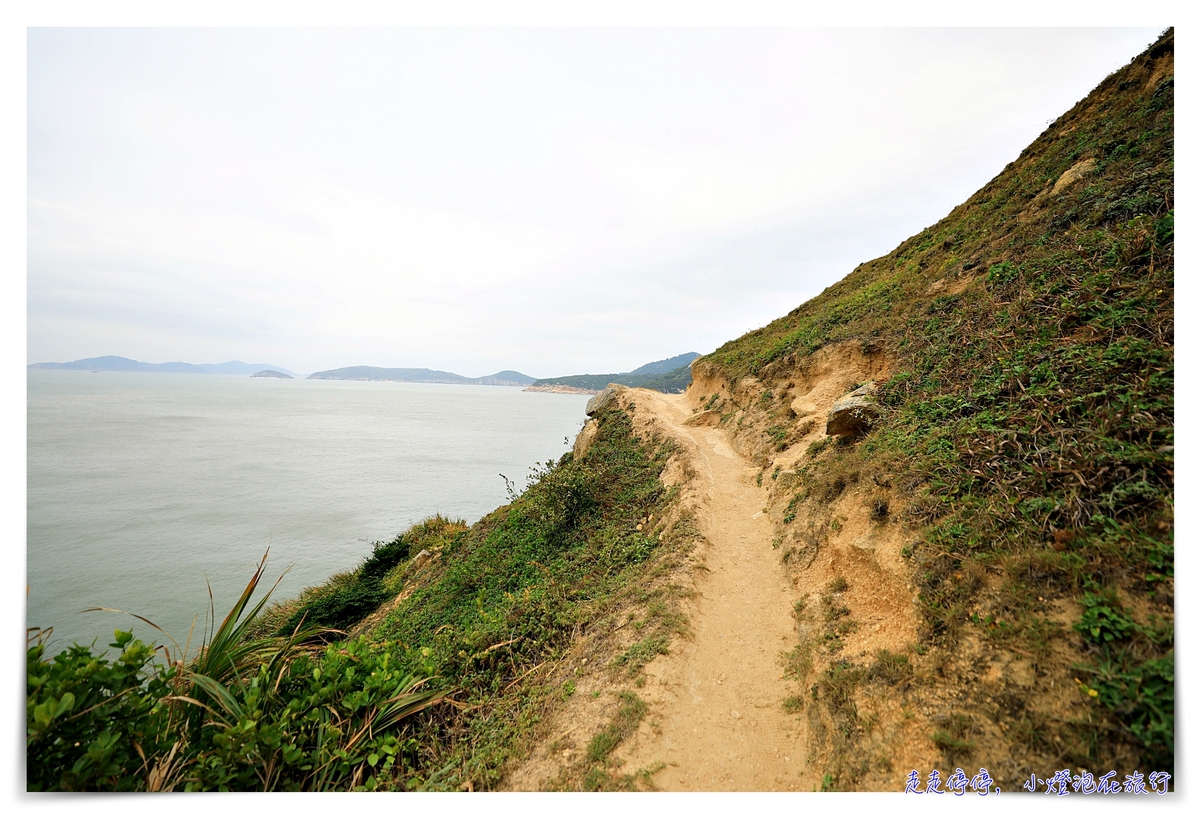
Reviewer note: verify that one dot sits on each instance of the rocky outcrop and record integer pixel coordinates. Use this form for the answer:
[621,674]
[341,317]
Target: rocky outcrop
[709,417]
[1073,174]
[605,399]
[584,439]
[853,414]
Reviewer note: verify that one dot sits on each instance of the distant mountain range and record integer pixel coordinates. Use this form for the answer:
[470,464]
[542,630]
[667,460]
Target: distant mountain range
[668,375]
[378,373]
[115,363]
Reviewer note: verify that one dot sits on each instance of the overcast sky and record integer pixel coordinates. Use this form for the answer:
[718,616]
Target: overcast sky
[548,200]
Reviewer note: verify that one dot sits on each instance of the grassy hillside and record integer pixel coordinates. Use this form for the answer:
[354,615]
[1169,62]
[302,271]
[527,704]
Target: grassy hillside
[1027,436]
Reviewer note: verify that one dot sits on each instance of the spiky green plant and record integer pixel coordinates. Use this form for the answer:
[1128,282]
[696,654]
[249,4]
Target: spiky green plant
[244,713]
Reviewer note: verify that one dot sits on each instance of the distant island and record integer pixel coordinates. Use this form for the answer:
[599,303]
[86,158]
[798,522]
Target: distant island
[506,377]
[115,363]
[669,375]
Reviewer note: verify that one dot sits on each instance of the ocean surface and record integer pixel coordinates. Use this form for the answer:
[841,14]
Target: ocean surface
[142,486]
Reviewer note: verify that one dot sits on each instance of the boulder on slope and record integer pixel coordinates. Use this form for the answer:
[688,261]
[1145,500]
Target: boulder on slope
[605,399]
[853,414]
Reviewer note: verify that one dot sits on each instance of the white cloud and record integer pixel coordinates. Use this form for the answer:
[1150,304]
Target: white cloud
[547,200]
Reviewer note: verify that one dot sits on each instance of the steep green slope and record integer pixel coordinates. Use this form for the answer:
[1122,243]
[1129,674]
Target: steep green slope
[1027,428]
[509,596]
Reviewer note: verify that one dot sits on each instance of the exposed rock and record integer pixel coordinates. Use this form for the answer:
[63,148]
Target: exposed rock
[584,439]
[420,560]
[605,399]
[853,414]
[1073,174]
[710,417]
[1070,176]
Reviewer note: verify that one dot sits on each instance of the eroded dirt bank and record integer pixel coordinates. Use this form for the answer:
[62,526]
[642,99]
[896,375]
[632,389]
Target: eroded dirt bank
[750,697]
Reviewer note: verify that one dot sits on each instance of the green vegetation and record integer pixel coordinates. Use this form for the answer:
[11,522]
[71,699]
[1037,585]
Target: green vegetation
[346,599]
[244,714]
[639,653]
[267,706]
[631,710]
[675,381]
[513,590]
[953,737]
[1028,426]
[670,375]
[1133,672]
[793,705]
[629,715]
[891,668]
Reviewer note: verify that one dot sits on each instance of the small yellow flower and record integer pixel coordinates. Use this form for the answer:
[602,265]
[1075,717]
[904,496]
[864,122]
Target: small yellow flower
[1093,693]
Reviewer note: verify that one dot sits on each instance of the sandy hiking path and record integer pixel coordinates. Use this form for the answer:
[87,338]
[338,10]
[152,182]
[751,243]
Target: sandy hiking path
[716,719]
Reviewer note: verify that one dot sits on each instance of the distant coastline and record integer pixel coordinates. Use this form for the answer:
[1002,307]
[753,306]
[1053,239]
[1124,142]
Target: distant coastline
[505,377]
[561,389]
[115,363]
[668,375]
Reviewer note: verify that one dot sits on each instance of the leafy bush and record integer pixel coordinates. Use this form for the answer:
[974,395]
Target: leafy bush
[1104,620]
[243,714]
[326,723]
[1142,695]
[386,556]
[341,605]
[89,719]
[340,608]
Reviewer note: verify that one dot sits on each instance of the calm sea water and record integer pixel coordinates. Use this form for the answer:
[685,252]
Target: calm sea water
[141,486]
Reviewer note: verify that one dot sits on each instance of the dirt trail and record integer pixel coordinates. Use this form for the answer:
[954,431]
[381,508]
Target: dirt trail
[716,718]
